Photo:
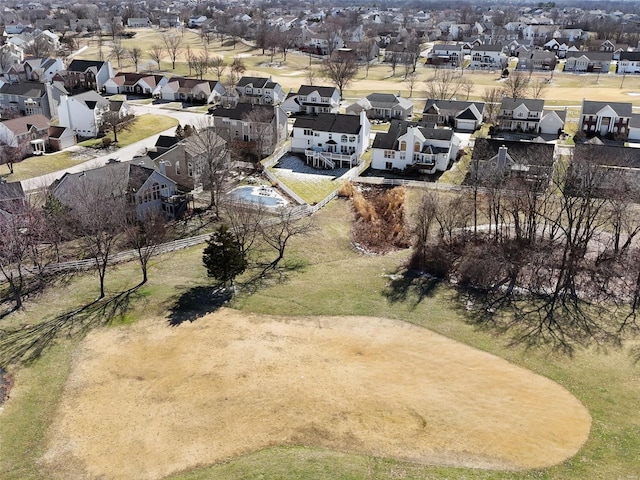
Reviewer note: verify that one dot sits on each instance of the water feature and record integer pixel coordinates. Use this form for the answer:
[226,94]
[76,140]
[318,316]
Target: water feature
[261,194]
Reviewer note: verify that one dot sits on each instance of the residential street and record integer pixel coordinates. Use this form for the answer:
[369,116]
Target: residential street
[125,153]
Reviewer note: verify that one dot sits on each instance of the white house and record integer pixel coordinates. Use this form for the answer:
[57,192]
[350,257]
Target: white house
[629,62]
[83,112]
[488,57]
[552,122]
[317,99]
[446,53]
[331,140]
[134,83]
[196,22]
[179,89]
[42,69]
[383,106]
[634,128]
[410,146]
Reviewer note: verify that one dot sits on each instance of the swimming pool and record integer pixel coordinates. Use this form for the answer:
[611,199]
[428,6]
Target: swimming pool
[260,194]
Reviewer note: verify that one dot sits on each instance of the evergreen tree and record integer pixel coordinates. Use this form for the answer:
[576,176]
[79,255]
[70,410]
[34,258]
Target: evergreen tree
[223,256]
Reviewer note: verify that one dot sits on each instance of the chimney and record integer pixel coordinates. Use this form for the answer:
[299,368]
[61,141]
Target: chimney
[502,157]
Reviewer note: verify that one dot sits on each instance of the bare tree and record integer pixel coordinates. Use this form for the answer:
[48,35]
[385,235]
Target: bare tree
[39,47]
[537,87]
[200,64]
[156,53]
[9,153]
[114,27]
[444,85]
[277,234]
[236,69]
[411,80]
[144,235]
[118,52]
[173,44]
[135,53]
[218,65]
[114,122]
[341,69]
[394,59]
[311,75]
[516,85]
[190,57]
[492,97]
[215,162]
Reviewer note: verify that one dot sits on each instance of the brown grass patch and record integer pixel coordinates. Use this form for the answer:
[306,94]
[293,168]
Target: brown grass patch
[149,400]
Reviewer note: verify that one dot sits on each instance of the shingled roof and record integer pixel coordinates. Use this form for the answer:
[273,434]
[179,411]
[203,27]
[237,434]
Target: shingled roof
[330,122]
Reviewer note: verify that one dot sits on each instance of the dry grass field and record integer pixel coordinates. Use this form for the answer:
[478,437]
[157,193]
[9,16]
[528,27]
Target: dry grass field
[150,400]
[564,88]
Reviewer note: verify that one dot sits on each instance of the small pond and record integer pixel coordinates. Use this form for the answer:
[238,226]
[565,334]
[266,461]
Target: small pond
[260,194]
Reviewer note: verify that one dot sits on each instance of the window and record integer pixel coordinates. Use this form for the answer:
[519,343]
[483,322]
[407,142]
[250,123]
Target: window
[403,146]
[155,192]
[190,169]
[416,147]
[343,139]
[178,167]
[389,154]
[308,132]
[352,139]
[388,165]
[403,156]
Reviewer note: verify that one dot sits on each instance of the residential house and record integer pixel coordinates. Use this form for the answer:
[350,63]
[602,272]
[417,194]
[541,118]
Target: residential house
[61,138]
[605,118]
[86,75]
[42,69]
[560,46]
[607,46]
[14,73]
[170,20]
[537,60]
[634,128]
[588,62]
[384,106]
[497,161]
[552,122]
[259,127]
[446,54]
[457,114]
[538,34]
[183,160]
[26,99]
[330,140]
[629,62]
[318,99]
[12,197]
[145,188]
[488,57]
[26,136]
[413,147]
[141,84]
[83,113]
[191,90]
[260,90]
[139,22]
[520,114]
[196,22]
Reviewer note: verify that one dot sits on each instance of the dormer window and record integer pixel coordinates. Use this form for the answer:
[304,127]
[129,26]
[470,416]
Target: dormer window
[403,146]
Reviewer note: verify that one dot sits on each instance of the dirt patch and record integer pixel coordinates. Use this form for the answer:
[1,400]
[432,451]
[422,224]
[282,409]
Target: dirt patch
[150,400]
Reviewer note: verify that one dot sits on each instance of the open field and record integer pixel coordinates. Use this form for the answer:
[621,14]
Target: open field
[564,89]
[331,279]
[147,401]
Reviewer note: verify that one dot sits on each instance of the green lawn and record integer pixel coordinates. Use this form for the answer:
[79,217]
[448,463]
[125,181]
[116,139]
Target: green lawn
[145,126]
[334,279]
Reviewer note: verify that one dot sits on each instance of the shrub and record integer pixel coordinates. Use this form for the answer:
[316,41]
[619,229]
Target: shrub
[106,142]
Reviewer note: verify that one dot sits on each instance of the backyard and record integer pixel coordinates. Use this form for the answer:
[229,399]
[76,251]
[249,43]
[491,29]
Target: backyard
[145,359]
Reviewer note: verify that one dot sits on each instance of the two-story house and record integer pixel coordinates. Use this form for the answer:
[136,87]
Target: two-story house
[602,118]
[83,113]
[85,75]
[412,147]
[260,90]
[629,62]
[146,189]
[488,57]
[457,114]
[42,69]
[142,84]
[588,61]
[318,99]
[522,115]
[537,60]
[446,54]
[192,90]
[25,135]
[383,106]
[259,127]
[29,98]
[331,140]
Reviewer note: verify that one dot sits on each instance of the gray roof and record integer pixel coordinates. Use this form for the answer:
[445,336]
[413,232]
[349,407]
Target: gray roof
[388,141]
[330,122]
[591,108]
[592,55]
[631,56]
[241,110]
[11,191]
[561,113]
[323,91]
[533,104]
[527,153]
[28,89]
[452,107]
[388,100]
